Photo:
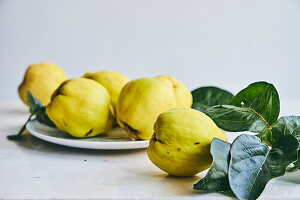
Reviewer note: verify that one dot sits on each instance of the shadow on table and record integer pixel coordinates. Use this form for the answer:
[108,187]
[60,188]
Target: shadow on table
[186,186]
[291,176]
[226,193]
[178,186]
[32,143]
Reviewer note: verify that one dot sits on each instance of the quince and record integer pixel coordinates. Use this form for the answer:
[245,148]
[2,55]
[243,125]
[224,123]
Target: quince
[142,100]
[112,81]
[182,94]
[41,80]
[81,107]
[181,142]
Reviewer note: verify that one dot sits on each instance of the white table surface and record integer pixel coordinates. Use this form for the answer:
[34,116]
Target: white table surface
[34,169]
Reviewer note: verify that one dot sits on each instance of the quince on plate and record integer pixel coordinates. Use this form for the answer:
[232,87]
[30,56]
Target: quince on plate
[142,100]
[181,142]
[41,80]
[112,81]
[81,107]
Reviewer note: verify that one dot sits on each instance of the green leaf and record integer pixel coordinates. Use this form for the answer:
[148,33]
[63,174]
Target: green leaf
[43,118]
[252,109]
[262,97]
[38,110]
[247,158]
[199,106]
[284,126]
[205,97]
[216,178]
[253,163]
[235,119]
[33,102]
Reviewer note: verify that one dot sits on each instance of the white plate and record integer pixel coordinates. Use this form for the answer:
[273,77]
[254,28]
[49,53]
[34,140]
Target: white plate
[114,139]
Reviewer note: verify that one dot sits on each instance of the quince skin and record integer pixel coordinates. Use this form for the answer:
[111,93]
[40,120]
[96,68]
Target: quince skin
[81,107]
[41,80]
[181,142]
[112,81]
[182,94]
[142,100]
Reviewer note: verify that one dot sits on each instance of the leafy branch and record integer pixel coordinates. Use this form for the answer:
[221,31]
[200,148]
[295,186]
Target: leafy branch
[252,109]
[38,111]
[252,162]
[246,165]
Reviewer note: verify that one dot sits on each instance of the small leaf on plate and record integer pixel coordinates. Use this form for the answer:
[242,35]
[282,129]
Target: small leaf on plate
[33,102]
[43,118]
[253,163]
[216,178]
[262,97]
[205,97]
[38,110]
[234,119]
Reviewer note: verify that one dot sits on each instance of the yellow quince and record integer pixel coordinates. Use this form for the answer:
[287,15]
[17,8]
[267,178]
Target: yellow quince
[112,81]
[41,80]
[142,100]
[182,93]
[181,141]
[81,107]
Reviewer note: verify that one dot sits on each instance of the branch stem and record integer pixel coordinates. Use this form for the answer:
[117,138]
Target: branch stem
[17,136]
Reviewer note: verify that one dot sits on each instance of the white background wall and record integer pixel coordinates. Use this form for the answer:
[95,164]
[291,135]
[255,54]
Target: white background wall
[215,42]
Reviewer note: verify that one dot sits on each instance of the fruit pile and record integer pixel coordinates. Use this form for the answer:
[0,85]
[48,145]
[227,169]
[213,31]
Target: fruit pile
[157,108]
[183,140]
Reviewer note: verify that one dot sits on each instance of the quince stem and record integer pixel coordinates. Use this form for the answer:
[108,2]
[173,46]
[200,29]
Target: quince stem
[17,136]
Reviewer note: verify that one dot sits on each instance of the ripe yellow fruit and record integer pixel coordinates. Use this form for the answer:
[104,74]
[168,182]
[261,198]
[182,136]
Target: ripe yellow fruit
[142,100]
[182,94]
[112,81]
[181,142]
[81,107]
[41,80]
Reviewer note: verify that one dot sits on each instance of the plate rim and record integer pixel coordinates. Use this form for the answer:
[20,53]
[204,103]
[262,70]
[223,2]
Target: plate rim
[107,145]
